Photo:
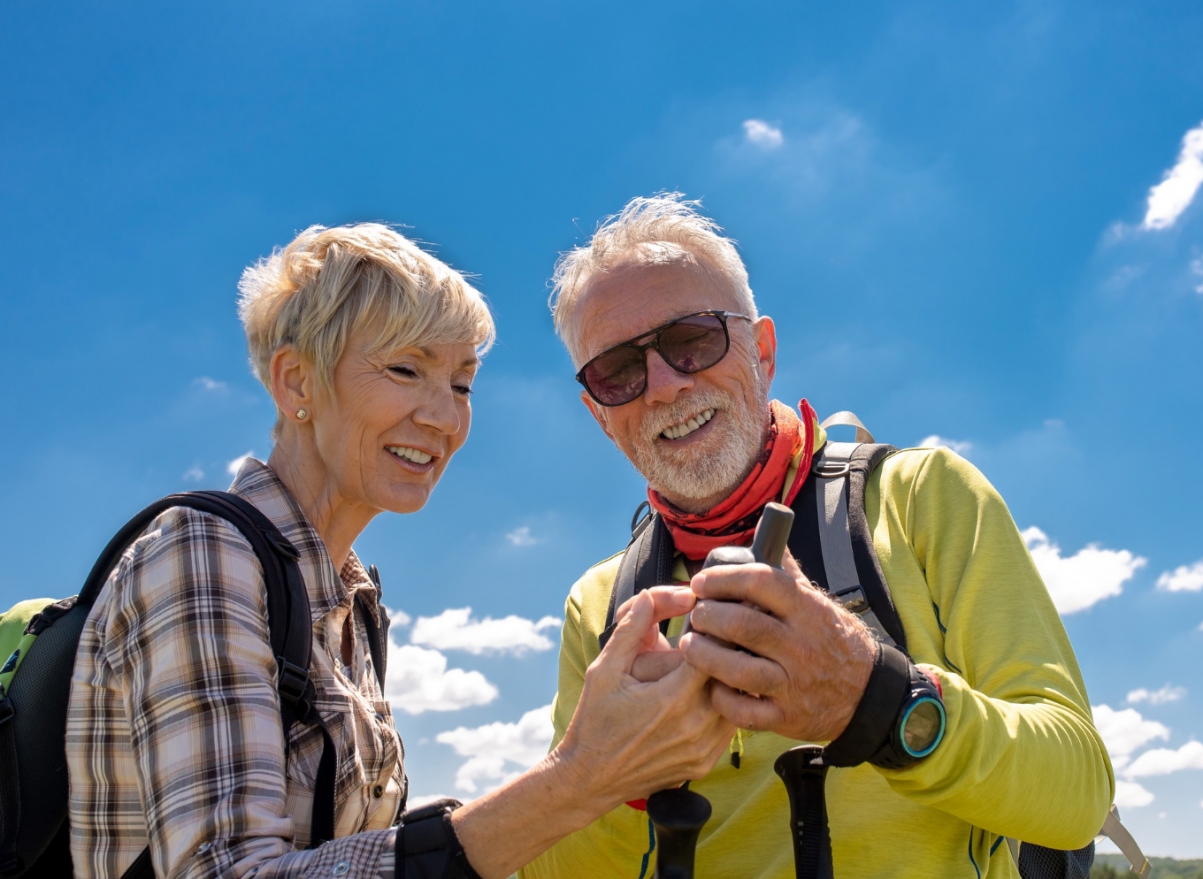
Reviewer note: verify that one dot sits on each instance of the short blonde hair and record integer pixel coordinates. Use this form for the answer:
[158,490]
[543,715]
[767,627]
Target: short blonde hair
[329,282]
[658,230]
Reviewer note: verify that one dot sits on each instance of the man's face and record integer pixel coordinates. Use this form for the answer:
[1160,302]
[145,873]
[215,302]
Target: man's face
[693,468]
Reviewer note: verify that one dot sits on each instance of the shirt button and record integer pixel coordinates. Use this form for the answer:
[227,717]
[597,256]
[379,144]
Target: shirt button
[341,868]
[378,791]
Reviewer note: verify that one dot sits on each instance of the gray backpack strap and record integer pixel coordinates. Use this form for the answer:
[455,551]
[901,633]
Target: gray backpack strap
[851,572]
[646,562]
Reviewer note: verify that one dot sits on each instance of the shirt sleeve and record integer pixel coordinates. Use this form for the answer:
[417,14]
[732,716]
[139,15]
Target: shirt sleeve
[1020,756]
[187,639]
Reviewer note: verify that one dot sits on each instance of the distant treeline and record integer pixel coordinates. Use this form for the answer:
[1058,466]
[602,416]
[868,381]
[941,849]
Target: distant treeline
[1116,867]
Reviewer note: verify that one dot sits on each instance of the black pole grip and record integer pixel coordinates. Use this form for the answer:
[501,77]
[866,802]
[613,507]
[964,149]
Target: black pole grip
[772,534]
[678,816]
[804,773]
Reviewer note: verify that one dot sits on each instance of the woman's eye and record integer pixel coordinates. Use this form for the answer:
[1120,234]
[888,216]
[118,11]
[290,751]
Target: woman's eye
[462,390]
[403,371]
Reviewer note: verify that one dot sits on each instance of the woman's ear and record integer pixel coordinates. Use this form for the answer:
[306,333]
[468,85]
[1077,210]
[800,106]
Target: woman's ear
[292,383]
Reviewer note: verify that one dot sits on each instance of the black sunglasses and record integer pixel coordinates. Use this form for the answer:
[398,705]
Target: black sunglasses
[688,344]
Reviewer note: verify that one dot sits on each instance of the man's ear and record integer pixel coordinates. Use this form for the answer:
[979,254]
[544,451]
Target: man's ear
[598,412]
[292,381]
[766,345]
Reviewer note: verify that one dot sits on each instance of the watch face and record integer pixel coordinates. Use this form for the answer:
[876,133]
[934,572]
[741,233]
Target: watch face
[923,726]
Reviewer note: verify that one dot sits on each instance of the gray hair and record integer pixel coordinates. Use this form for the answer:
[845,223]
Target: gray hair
[659,230]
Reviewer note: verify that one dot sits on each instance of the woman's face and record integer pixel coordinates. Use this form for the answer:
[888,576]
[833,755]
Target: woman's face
[393,422]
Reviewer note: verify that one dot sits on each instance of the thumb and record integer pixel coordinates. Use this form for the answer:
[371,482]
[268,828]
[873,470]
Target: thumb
[624,645]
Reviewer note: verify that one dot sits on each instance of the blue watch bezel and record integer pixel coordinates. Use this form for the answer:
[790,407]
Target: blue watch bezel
[906,716]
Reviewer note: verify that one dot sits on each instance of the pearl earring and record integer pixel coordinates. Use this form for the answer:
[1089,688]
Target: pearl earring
[301,414]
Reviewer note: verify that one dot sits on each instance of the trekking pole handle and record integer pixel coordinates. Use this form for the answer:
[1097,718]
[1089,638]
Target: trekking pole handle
[804,772]
[678,814]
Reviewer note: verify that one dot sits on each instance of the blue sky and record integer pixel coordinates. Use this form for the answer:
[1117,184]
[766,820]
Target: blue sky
[945,208]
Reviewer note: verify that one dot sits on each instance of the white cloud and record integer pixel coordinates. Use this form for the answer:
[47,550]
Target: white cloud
[418,680]
[936,441]
[499,751]
[417,802]
[1173,195]
[234,466]
[397,618]
[1124,731]
[762,134]
[208,384]
[1130,795]
[521,537]
[1086,578]
[1196,268]
[1156,697]
[1163,761]
[454,629]
[1185,578]
[194,474]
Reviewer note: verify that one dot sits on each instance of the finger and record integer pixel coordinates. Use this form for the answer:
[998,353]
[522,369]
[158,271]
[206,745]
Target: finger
[620,651]
[752,674]
[746,712]
[745,626]
[652,666]
[669,601]
[770,588]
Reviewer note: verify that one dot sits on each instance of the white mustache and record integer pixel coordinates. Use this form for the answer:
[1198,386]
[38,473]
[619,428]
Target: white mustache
[662,418]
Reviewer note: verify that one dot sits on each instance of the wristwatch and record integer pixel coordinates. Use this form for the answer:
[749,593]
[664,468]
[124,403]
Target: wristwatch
[427,847]
[900,718]
[918,728]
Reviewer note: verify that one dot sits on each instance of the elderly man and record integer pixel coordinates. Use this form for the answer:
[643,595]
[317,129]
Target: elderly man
[676,363]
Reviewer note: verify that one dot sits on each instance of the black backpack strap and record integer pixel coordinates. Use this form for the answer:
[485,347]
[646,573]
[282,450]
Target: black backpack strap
[289,625]
[648,561]
[831,508]
[10,790]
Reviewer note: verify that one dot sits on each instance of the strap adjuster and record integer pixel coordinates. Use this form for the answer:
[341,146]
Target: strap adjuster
[292,681]
[853,600]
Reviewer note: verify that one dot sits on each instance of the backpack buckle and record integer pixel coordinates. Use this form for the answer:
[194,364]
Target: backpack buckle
[292,681]
[825,469]
[853,600]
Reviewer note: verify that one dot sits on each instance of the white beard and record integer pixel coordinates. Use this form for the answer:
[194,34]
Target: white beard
[711,469]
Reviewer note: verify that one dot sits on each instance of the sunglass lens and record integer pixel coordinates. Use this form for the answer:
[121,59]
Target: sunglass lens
[618,376]
[694,343]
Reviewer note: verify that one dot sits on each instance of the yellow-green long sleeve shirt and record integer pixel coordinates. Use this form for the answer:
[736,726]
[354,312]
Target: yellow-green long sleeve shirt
[1020,755]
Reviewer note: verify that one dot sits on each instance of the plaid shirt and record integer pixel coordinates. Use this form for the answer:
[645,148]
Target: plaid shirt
[174,734]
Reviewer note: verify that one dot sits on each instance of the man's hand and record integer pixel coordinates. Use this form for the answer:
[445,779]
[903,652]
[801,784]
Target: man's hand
[812,660]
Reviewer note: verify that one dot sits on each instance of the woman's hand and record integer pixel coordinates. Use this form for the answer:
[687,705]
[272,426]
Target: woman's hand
[629,738]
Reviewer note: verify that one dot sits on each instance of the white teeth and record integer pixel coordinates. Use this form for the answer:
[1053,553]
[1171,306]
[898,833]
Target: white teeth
[684,429]
[415,455]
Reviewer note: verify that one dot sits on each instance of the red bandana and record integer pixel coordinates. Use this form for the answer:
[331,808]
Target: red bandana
[734,520]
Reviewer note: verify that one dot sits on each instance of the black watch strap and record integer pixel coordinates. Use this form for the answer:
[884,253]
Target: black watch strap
[427,847]
[873,722]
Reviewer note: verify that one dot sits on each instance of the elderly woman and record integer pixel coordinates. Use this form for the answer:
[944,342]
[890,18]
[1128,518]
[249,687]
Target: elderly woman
[369,348]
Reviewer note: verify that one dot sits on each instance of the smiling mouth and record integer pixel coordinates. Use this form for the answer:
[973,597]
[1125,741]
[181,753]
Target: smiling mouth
[408,453]
[685,428]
